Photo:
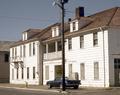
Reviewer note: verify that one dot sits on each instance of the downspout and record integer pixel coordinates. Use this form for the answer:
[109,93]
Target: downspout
[104,56]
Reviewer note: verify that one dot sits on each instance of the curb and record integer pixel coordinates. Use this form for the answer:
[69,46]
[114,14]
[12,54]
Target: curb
[44,90]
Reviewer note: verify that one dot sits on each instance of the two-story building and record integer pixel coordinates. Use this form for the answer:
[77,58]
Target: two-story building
[4,61]
[91,51]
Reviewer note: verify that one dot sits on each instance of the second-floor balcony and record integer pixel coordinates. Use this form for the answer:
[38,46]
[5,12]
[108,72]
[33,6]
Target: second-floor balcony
[16,59]
[52,55]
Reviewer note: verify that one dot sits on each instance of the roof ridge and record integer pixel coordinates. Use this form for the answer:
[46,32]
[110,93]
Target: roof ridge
[103,11]
[112,16]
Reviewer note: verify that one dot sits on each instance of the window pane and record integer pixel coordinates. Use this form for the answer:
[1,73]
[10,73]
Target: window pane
[95,38]
[59,46]
[82,71]
[70,43]
[33,48]
[96,71]
[33,72]
[51,47]
[47,72]
[6,58]
[81,41]
[27,72]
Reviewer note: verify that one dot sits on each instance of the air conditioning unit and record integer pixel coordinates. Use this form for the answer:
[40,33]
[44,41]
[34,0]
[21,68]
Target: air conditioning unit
[74,76]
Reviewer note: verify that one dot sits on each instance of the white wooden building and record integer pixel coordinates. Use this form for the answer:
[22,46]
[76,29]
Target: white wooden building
[92,51]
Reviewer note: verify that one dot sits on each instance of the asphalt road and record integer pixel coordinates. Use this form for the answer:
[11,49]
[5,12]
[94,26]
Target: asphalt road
[12,91]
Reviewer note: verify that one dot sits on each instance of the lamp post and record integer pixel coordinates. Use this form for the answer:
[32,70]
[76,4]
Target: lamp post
[60,4]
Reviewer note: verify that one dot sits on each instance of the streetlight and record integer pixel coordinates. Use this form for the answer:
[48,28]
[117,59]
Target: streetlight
[60,3]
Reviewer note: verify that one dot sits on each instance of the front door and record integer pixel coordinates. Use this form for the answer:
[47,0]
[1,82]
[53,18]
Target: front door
[117,71]
[58,71]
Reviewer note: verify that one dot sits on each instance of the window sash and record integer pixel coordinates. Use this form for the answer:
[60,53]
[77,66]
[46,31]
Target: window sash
[82,71]
[96,71]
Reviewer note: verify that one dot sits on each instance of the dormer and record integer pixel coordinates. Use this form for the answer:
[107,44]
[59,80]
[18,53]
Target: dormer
[29,33]
[55,31]
[74,24]
[24,36]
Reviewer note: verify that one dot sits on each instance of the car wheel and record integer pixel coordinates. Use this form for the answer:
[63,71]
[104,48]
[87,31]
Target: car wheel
[49,86]
[76,87]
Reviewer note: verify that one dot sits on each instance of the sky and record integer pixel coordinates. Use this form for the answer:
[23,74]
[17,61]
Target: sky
[17,16]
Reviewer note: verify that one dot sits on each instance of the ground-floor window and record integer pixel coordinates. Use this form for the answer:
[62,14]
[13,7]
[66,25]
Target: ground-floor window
[33,72]
[96,71]
[70,70]
[27,72]
[17,72]
[12,74]
[82,71]
[22,72]
[46,72]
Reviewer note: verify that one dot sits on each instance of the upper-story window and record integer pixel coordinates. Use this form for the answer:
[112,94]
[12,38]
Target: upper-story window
[24,50]
[6,58]
[15,52]
[55,31]
[51,47]
[74,26]
[59,46]
[69,43]
[30,49]
[33,48]
[81,41]
[95,39]
[20,51]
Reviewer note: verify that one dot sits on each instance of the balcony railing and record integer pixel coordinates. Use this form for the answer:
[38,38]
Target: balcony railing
[53,55]
[16,59]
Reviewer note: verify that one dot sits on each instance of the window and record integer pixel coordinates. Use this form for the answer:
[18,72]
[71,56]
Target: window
[44,48]
[82,71]
[17,73]
[117,63]
[33,48]
[70,70]
[69,43]
[33,72]
[12,74]
[74,26]
[47,72]
[81,41]
[6,58]
[20,51]
[22,73]
[24,50]
[59,46]
[51,47]
[96,71]
[12,52]
[95,39]
[30,49]
[15,52]
[27,72]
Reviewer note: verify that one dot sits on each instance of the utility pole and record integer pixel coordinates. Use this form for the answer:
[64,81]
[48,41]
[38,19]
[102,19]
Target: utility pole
[60,4]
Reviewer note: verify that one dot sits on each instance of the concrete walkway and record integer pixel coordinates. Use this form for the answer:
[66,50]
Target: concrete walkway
[57,90]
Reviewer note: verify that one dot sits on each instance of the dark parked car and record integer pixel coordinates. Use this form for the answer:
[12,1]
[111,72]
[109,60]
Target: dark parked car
[68,83]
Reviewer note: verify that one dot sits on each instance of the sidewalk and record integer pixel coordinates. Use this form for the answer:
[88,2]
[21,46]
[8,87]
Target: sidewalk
[57,90]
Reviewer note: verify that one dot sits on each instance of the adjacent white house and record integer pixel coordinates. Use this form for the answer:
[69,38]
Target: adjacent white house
[91,51]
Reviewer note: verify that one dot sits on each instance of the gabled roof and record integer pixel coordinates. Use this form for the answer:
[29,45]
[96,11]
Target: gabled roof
[5,45]
[106,18]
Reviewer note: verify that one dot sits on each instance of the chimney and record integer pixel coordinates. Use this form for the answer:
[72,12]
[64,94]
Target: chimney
[79,12]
